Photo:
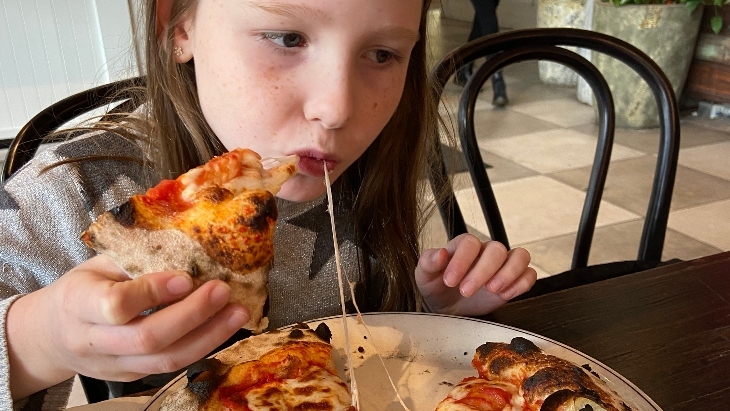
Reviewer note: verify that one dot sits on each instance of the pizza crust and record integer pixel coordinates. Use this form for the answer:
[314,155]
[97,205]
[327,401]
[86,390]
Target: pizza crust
[191,398]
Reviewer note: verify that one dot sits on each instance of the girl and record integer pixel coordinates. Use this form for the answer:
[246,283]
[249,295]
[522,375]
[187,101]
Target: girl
[336,82]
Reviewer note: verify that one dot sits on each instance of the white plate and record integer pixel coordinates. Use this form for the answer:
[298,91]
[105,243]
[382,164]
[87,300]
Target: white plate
[426,354]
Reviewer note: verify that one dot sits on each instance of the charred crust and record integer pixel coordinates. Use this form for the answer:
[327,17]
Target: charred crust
[216,194]
[266,211]
[625,406]
[484,349]
[556,399]
[323,332]
[586,408]
[203,378]
[296,334]
[523,346]
[551,378]
[195,271]
[499,364]
[124,214]
[301,326]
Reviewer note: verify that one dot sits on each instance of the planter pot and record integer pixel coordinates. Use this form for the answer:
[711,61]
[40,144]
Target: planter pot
[667,33]
[709,74]
[559,13]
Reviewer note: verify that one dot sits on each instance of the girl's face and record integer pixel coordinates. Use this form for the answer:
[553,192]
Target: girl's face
[316,78]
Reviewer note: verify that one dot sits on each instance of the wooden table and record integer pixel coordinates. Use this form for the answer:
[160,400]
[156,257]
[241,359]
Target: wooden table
[667,329]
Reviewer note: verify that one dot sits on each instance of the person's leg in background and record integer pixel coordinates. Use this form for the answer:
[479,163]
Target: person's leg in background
[485,22]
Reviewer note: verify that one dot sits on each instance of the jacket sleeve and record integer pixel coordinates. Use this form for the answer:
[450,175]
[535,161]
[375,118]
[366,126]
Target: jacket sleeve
[42,213]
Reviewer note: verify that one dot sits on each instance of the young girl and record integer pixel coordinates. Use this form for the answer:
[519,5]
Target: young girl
[341,83]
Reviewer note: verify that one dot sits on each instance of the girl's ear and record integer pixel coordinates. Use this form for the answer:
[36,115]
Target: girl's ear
[183,41]
[182,45]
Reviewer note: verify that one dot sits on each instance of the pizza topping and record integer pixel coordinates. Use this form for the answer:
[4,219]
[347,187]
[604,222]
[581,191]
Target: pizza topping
[477,394]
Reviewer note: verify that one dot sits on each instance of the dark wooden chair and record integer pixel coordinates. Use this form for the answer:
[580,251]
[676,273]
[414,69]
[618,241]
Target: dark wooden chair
[543,44]
[26,143]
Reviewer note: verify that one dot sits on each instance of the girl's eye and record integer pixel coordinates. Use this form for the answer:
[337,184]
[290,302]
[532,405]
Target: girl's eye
[380,56]
[288,40]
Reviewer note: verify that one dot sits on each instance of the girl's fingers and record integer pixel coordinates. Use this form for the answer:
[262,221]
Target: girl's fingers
[512,268]
[523,283]
[118,302]
[464,251]
[432,263]
[193,346]
[490,260]
[153,333]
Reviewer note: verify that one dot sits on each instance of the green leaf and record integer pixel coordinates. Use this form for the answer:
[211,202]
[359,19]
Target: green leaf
[716,24]
[692,6]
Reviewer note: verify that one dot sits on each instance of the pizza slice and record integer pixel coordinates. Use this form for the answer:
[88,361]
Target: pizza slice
[519,376]
[216,222]
[277,370]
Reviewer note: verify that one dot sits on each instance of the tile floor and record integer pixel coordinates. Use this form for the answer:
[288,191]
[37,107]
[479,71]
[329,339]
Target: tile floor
[540,148]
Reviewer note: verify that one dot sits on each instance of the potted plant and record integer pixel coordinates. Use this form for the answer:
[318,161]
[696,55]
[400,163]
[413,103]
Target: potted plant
[666,30]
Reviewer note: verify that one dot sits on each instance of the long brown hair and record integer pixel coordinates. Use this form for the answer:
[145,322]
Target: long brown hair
[386,185]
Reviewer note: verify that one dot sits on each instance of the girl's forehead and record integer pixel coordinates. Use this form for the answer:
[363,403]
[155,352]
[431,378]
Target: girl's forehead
[325,8]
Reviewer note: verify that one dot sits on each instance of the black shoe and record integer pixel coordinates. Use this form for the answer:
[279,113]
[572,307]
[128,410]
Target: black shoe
[463,74]
[500,90]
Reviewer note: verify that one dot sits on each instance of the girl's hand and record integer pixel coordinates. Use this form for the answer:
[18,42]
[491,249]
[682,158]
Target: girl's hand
[469,277]
[89,322]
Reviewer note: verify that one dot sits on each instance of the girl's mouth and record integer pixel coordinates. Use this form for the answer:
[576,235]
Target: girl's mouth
[313,166]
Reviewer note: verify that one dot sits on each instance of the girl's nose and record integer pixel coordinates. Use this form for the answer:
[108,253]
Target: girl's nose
[330,98]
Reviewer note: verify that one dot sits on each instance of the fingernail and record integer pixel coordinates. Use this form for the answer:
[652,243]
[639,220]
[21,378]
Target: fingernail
[467,289]
[238,319]
[450,278]
[507,295]
[220,294]
[495,285]
[180,284]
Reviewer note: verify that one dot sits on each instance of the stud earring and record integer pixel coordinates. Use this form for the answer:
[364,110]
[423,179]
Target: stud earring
[177,50]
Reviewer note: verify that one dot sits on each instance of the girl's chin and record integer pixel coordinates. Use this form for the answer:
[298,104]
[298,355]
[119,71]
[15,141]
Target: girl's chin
[302,188]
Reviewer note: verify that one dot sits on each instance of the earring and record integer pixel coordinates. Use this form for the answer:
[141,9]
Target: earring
[177,50]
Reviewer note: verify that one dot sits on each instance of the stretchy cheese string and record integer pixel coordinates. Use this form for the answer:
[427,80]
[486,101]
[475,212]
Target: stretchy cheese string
[353,382]
[355,398]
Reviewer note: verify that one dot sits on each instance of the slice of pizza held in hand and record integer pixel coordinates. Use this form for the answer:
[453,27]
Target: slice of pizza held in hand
[519,376]
[216,221]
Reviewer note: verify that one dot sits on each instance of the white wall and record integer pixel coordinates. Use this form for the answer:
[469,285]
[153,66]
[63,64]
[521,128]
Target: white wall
[50,49]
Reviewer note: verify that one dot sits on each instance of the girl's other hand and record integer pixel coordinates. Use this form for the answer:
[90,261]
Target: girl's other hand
[89,322]
[469,277]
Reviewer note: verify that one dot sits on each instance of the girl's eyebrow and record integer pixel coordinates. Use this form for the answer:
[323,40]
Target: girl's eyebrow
[299,10]
[290,10]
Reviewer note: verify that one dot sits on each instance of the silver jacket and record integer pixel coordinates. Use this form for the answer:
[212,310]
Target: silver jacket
[42,214]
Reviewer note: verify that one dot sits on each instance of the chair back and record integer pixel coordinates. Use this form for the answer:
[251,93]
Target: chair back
[26,143]
[543,44]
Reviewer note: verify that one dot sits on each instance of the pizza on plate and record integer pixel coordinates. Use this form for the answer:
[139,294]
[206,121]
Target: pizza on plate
[278,370]
[519,376]
[215,221]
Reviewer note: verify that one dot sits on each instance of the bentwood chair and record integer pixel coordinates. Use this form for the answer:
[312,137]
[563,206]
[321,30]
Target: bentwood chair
[26,143]
[543,44]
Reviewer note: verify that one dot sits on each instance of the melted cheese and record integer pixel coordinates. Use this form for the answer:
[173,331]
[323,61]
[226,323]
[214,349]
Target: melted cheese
[319,390]
[330,208]
[355,394]
[457,399]
[237,171]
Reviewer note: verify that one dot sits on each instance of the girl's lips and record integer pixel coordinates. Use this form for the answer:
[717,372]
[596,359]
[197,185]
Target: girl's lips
[313,166]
